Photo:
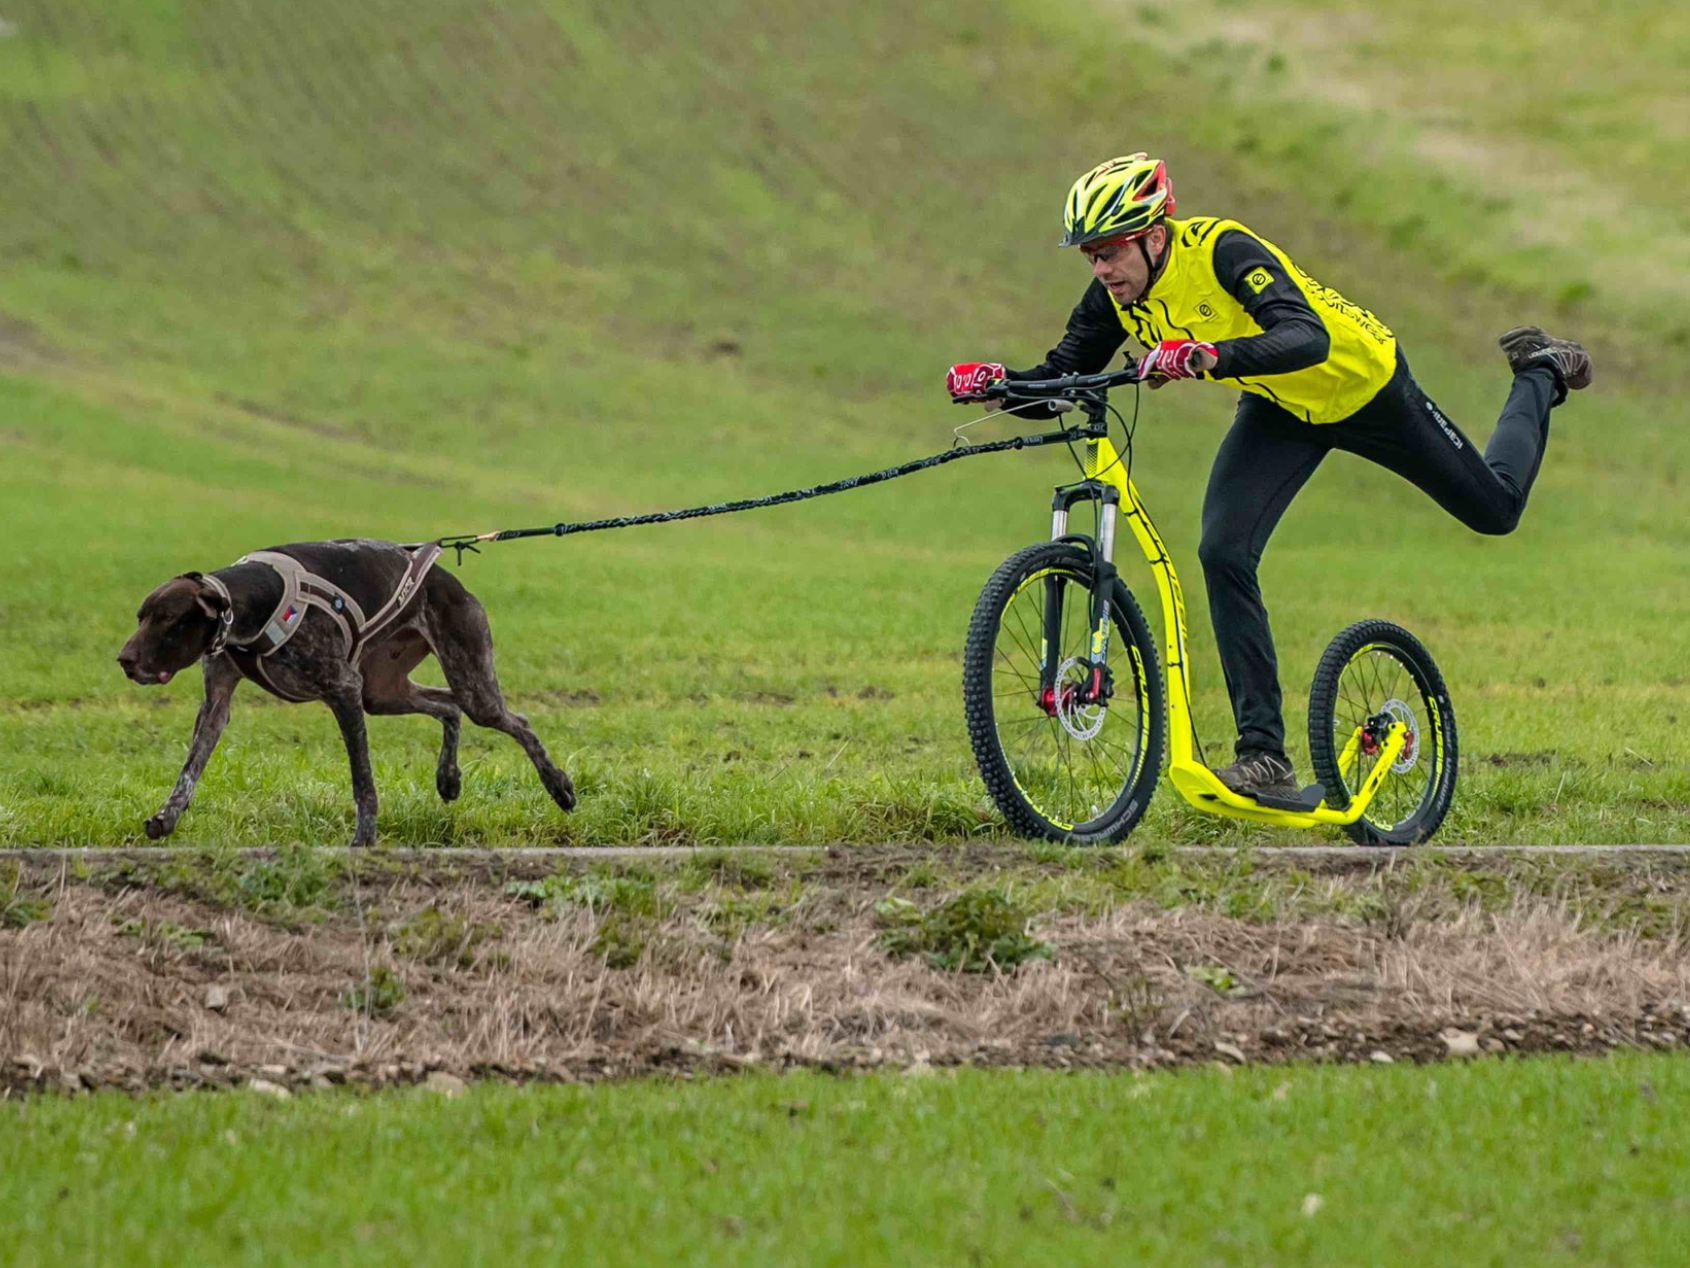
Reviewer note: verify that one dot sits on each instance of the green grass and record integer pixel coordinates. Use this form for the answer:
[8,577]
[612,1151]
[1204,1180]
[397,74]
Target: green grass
[1517,1163]
[267,279]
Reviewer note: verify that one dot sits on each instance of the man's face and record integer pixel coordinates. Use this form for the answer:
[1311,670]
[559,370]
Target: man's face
[1121,266]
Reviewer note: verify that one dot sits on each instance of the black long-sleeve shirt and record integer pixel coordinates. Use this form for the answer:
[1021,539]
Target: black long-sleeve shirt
[1293,336]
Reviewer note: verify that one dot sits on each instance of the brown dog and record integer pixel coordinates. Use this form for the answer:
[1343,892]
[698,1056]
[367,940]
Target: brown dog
[293,619]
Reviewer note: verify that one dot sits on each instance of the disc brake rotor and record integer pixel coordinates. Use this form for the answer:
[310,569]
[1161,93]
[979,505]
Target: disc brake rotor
[1082,721]
[1410,755]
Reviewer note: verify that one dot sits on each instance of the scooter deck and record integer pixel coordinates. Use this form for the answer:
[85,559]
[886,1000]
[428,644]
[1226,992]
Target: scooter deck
[1306,800]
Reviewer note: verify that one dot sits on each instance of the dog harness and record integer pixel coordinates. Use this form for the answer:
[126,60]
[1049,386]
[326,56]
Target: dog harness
[302,589]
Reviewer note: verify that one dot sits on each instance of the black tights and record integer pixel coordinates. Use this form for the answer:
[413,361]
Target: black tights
[1269,454]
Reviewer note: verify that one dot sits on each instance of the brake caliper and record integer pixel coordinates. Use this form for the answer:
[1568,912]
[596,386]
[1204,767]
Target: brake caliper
[1100,685]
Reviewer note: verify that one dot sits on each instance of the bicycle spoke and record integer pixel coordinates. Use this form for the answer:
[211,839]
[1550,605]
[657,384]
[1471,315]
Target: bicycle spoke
[1026,638]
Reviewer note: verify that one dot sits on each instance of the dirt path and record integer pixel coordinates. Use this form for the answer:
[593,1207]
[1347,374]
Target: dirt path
[176,969]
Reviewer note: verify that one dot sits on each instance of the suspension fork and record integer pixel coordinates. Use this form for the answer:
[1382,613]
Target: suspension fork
[1098,686]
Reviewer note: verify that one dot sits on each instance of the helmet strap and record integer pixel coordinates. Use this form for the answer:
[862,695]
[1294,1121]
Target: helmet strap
[1153,269]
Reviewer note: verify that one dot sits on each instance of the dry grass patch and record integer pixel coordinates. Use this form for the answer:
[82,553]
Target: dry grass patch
[604,971]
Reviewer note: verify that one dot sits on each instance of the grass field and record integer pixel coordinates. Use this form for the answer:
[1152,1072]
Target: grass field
[400,272]
[1546,1162]
[273,273]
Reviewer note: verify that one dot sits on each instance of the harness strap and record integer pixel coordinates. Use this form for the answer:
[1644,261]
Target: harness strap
[423,558]
[302,589]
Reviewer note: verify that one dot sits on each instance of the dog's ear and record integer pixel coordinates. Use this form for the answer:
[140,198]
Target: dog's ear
[209,597]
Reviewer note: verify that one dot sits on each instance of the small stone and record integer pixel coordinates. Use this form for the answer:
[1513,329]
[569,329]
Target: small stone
[1512,1035]
[29,1063]
[216,997]
[1230,1050]
[1380,1057]
[1460,1043]
[70,1081]
[275,1073]
[448,1085]
[266,1088]
[1493,1045]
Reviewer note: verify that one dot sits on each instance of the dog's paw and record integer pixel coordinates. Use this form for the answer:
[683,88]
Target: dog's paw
[159,827]
[450,783]
[562,789]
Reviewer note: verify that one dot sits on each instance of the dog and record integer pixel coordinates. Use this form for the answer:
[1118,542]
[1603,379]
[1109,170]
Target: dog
[293,619]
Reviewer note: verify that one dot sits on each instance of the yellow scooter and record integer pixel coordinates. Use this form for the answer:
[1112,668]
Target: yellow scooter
[1068,712]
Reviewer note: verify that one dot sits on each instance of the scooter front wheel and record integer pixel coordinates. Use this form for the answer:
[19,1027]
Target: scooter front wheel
[1062,759]
[1372,674]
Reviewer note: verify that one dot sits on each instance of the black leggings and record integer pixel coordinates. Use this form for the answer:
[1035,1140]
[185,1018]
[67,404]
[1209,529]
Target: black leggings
[1269,454]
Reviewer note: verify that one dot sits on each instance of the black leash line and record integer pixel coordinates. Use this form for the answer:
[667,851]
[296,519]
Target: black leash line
[461,542]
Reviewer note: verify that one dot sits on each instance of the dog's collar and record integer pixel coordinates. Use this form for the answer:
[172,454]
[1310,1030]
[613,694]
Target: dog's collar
[225,621]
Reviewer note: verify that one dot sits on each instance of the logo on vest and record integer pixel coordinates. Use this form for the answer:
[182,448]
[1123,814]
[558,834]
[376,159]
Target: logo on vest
[1259,280]
[1205,312]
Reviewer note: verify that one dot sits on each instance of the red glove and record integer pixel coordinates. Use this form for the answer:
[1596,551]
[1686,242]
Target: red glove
[970,378]
[1177,359]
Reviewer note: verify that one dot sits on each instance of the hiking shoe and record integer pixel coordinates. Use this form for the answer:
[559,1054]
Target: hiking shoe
[1528,346]
[1260,774]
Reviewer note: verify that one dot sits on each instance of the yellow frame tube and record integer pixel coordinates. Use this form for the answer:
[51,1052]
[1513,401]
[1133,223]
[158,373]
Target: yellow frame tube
[1196,782]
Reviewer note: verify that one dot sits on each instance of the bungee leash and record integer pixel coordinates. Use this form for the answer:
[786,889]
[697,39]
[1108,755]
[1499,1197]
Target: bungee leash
[1061,395]
[461,542]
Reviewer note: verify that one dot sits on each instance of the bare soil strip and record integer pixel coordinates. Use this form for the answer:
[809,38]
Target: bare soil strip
[183,971]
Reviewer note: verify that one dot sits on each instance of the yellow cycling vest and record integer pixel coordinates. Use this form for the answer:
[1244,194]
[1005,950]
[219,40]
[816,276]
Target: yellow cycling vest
[1189,302]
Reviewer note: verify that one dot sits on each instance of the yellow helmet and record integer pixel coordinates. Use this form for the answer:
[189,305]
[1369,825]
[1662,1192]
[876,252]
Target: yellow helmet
[1122,198]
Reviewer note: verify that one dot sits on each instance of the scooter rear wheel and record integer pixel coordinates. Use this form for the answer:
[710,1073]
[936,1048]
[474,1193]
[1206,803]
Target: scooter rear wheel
[1377,670]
